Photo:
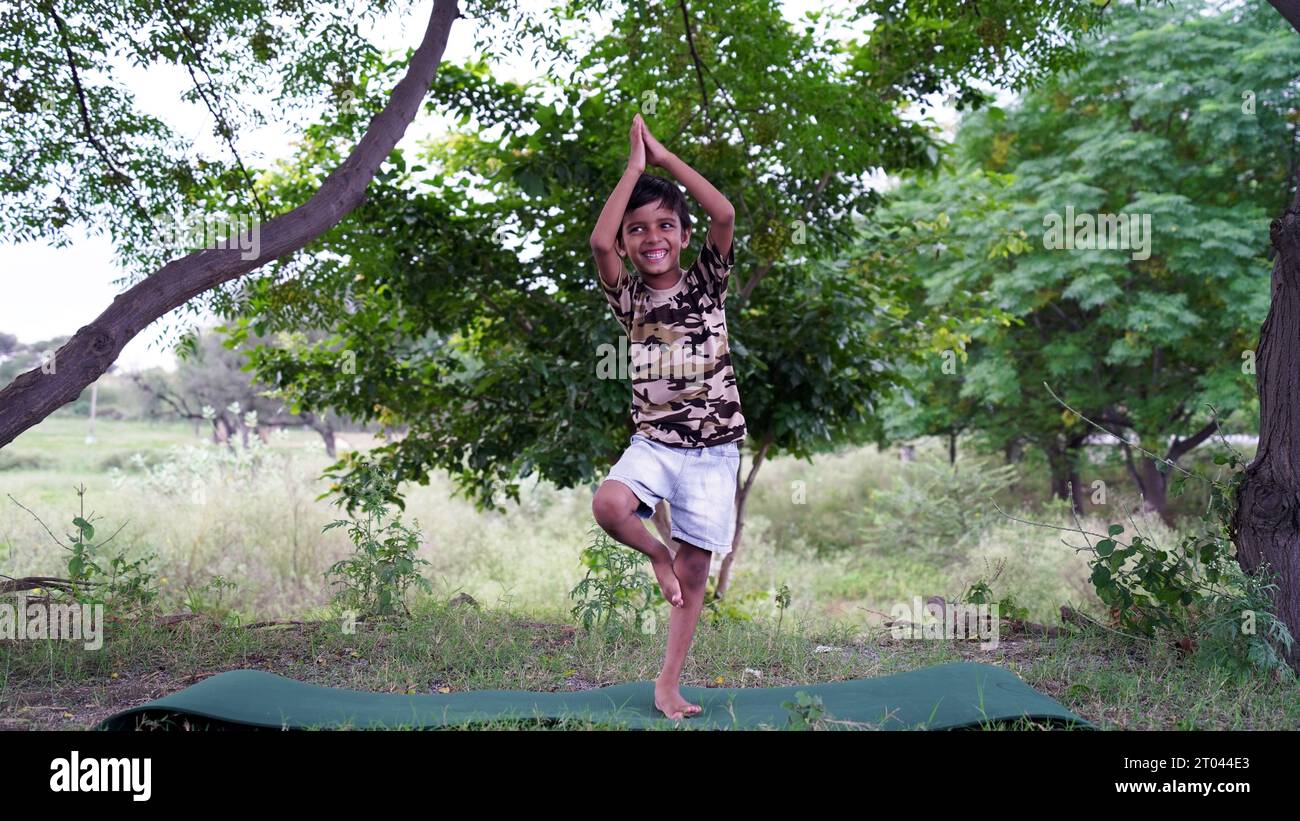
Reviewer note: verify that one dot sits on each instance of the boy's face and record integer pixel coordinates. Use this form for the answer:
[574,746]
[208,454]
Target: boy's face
[653,238]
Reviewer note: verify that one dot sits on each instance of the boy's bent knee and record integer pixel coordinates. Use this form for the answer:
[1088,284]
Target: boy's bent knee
[612,503]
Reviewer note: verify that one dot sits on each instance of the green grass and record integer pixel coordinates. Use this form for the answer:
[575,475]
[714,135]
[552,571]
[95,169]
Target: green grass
[262,530]
[457,648]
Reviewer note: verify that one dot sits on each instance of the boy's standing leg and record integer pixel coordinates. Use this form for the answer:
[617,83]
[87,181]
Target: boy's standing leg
[691,566]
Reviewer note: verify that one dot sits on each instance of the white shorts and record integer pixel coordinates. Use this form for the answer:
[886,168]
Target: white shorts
[699,484]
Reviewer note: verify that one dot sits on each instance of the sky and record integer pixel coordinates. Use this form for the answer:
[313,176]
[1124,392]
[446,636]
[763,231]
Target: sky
[54,291]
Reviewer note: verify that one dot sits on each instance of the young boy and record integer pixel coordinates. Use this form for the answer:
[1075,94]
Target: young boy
[685,404]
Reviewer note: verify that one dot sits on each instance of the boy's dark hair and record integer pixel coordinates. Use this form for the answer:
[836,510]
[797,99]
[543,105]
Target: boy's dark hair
[651,188]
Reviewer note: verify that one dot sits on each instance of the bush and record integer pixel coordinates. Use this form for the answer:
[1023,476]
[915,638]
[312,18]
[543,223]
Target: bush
[1196,593]
[936,508]
[374,582]
[1238,631]
[616,590]
[96,576]
[32,462]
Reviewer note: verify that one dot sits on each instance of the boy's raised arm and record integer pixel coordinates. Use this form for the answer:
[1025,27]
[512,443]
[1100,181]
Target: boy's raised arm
[722,216]
[604,235]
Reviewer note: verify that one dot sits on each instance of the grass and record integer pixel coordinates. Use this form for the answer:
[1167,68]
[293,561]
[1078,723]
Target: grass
[458,648]
[262,530]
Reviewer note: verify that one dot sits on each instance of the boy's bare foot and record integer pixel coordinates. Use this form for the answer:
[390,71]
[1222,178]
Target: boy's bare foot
[668,583]
[669,701]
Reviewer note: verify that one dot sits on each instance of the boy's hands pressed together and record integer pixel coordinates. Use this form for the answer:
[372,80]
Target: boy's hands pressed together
[656,154]
[636,158]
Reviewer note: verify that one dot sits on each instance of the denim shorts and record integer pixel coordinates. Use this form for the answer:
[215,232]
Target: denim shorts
[699,484]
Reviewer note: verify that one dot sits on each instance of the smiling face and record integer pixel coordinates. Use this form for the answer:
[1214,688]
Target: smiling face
[653,238]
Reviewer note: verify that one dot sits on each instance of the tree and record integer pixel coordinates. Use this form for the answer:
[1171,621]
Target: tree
[1141,339]
[213,385]
[93,129]
[16,357]
[1266,521]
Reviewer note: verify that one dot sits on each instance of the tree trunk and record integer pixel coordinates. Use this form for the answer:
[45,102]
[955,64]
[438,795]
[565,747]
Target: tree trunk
[1013,450]
[1060,472]
[742,496]
[1155,490]
[1062,460]
[1151,483]
[1154,485]
[34,395]
[321,424]
[1266,521]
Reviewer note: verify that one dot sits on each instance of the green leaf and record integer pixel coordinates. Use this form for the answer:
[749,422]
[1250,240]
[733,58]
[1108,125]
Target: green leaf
[87,530]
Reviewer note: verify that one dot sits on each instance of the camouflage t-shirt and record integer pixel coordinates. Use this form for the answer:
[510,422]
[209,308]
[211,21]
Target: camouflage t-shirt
[683,389]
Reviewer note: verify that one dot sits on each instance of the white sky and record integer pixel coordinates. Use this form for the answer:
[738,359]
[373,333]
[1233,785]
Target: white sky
[53,291]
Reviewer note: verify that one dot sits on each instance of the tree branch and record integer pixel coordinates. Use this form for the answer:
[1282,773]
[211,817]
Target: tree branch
[119,176]
[807,211]
[223,127]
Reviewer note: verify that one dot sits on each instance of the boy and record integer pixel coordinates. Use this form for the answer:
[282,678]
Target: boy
[685,403]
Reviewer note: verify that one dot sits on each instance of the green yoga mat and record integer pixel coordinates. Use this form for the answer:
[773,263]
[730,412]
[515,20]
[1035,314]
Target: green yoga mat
[949,696]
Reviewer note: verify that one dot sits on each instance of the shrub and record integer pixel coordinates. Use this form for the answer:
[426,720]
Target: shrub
[97,576]
[616,590]
[933,506]
[375,580]
[1195,593]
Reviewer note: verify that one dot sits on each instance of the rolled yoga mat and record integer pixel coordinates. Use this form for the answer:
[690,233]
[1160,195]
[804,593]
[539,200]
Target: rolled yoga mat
[945,697]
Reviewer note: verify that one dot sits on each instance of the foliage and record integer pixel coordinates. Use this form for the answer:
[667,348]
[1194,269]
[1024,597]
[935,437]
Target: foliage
[934,506]
[782,603]
[616,591]
[1239,632]
[212,382]
[732,607]
[981,592]
[1019,43]
[1195,593]
[95,576]
[133,172]
[210,598]
[806,712]
[186,470]
[374,581]
[425,289]
[1164,119]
